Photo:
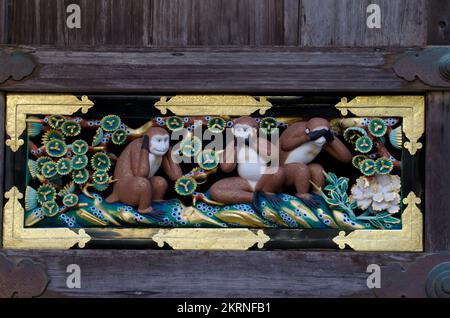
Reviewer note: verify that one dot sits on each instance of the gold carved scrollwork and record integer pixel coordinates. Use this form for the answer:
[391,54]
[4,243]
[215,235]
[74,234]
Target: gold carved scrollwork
[18,107]
[225,105]
[410,108]
[211,239]
[412,111]
[15,236]
[21,105]
[409,238]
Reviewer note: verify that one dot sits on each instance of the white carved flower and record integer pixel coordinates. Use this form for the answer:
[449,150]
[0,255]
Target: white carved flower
[381,193]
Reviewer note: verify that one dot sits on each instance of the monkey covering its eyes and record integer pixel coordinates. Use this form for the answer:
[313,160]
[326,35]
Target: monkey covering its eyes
[135,170]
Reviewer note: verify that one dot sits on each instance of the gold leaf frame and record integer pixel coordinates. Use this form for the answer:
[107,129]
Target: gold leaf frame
[412,111]
[15,235]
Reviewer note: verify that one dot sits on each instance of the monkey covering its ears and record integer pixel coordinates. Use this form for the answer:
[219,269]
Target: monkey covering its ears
[135,170]
[300,144]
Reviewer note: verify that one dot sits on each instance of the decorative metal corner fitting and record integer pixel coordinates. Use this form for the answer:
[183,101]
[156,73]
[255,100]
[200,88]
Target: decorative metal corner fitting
[16,236]
[408,239]
[211,239]
[201,105]
[437,283]
[15,65]
[25,278]
[430,65]
[412,111]
[410,108]
[420,277]
[19,106]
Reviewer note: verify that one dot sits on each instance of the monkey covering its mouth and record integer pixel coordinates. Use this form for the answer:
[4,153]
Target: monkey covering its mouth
[300,144]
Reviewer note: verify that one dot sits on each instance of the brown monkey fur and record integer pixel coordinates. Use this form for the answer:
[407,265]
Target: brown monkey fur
[300,173]
[238,189]
[134,186]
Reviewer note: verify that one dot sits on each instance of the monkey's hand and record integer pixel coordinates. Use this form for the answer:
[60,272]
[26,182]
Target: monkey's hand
[145,143]
[316,134]
[328,136]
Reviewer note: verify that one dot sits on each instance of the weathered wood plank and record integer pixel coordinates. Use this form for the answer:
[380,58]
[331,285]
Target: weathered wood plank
[437,172]
[37,22]
[165,23]
[220,22]
[47,22]
[343,23]
[153,273]
[219,70]
[181,23]
[127,22]
[109,22]
[171,22]
[24,13]
[3,21]
[438,22]
[292,16]
[269,22]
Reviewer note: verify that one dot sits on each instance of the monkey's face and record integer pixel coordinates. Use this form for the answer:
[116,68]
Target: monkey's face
[159,144]
[243,131]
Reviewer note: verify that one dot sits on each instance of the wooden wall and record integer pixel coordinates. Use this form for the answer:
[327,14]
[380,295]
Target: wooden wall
[246,46]
[182,23]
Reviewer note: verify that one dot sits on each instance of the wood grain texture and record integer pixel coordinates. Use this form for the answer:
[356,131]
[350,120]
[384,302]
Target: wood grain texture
[437,172]
[185,23]
[3,21]
[268,70]
[438,22]
[153,273]
[160,23]
[334,23]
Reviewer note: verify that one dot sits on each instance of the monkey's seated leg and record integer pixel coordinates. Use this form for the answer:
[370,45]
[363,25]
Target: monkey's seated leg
[232,190]
[317,176]
[271,182]
[135,191]
[159,187]
[298,175]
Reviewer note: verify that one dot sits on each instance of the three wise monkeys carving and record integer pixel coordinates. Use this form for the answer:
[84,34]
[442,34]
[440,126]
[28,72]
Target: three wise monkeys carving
[298,147]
